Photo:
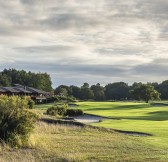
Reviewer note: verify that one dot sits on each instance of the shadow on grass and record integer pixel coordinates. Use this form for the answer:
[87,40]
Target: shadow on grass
[59,121]
[159,104]
[124,107]
[153,116]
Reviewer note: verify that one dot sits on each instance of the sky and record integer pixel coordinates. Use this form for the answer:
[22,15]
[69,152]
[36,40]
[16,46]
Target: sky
[94,41]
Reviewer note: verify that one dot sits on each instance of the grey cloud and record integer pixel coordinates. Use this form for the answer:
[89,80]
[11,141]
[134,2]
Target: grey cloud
[73,73]
[157,68]
[44,49]
[28,2]
[75,68]
[160,61]
[68,38]
[67,21]
[157,8]
[122,51]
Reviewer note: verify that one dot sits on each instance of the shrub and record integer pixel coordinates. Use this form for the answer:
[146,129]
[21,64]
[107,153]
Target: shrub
[31,104]
[74,112]
[52,99]
[62,98]
[16,121]
[57,110]
[71,99]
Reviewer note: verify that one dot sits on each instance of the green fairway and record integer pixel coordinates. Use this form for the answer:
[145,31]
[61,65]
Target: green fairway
[140,117]
[82,144]
[43,106]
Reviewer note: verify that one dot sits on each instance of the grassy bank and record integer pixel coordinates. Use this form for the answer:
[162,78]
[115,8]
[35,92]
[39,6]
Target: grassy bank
[55,142]
[71,143]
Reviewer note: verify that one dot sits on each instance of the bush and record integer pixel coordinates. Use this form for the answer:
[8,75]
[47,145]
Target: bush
[74,112]
[66,98]
[71,99]
[16,121]
[57,110]
[62,98]
[52,99]
[31,104]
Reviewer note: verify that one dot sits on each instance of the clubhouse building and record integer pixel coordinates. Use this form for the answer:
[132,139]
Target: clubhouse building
[37,95]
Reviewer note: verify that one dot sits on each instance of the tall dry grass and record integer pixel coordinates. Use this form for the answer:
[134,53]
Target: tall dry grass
[67,143]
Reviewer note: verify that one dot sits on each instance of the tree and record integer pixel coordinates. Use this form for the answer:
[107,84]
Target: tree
[163,89]
[75,91]
[85,85]
[86,93]
[4,80]
[61,91]
[98,92]
[117,91]
[145,92]
[37,80]
[66,90]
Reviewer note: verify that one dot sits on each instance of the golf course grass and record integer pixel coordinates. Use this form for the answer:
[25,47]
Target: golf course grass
[71,143]
[129,116]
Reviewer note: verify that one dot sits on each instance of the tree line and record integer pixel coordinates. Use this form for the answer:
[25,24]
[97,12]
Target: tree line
[41,81]
[116,91]
[111,91]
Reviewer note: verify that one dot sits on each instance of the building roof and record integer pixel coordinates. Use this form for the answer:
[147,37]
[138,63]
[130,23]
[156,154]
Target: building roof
[30,89]
[10,89]
[21,89]
[34,90]
[2,90]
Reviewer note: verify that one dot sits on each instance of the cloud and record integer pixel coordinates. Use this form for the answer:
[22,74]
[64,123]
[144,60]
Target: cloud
[77,41]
